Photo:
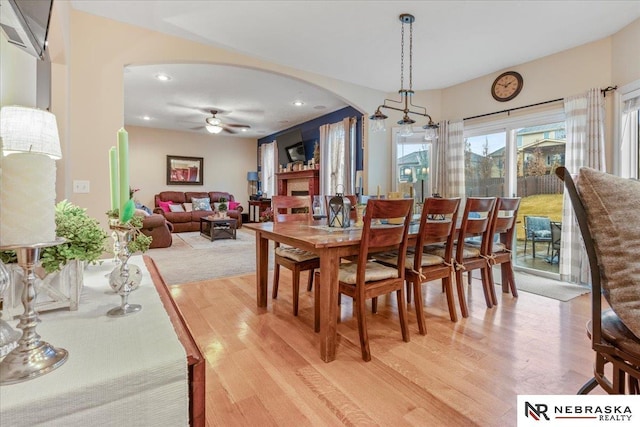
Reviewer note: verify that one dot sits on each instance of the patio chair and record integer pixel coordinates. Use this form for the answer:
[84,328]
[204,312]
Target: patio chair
[606,209]
[556,237]
[537,229]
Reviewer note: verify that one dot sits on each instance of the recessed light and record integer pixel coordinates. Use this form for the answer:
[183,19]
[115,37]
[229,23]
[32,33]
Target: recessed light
[146,118]
[298,103]
[163,77]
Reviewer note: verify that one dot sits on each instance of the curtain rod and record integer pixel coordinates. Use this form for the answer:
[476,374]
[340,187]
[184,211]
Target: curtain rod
[603,91]
[514,109]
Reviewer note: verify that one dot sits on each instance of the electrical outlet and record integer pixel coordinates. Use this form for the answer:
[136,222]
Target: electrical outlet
[80,186]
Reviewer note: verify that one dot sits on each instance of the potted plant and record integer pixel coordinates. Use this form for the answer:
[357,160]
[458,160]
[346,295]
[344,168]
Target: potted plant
[222,207]
[61,266]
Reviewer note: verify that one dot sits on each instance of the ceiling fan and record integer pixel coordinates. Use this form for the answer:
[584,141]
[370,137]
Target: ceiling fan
[215,125]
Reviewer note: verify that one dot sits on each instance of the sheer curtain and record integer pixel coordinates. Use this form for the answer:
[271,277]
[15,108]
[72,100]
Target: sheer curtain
[269,160]
[449,152]
[629,135]
[585,147]
[337,157]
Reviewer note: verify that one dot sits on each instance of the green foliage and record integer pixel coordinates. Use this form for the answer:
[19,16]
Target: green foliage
[139,242]
[85,239]
[223,204]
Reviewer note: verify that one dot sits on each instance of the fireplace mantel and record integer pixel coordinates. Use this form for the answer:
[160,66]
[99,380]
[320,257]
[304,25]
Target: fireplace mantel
[305,180]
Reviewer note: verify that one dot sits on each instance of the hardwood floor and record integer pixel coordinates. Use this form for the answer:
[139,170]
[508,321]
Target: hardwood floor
[264,366]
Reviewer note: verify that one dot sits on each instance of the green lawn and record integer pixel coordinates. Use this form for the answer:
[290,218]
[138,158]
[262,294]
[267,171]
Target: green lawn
[539,205]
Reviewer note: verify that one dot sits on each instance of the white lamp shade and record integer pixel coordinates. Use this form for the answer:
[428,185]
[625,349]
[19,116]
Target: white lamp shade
[29,130]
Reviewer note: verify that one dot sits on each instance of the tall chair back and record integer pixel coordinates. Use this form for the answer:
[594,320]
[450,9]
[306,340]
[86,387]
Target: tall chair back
[503,224]
[291,208]
[606,233]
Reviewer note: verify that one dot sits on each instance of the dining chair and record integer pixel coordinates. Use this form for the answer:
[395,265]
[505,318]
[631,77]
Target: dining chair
[606,208]
[473,254]
[285,209]
[503,225]
[366,279]
[437,228]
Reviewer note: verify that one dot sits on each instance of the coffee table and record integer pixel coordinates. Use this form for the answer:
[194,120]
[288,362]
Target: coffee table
[218,228]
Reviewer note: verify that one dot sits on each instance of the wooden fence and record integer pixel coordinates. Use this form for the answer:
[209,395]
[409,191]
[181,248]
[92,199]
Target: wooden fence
[526,186]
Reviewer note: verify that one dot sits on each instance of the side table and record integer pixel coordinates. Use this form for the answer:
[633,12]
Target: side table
[261,205]
[218,228]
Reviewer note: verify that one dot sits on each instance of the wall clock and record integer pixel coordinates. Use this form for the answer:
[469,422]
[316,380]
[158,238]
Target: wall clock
[507,86]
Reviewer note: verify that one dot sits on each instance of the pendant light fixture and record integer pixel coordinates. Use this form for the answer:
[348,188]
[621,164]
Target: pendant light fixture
[405,105]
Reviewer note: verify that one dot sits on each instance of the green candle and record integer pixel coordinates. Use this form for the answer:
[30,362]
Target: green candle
[113,178]
[123,168]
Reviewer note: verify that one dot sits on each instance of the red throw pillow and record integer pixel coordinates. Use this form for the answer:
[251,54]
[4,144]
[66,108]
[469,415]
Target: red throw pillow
[233,205]
[165,205]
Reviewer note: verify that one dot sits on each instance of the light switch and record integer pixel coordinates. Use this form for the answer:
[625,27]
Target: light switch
[80,186]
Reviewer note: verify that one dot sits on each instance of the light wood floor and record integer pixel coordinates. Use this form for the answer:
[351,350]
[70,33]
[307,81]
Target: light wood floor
[264,366]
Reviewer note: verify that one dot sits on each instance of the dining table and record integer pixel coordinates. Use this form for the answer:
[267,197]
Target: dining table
[330,244]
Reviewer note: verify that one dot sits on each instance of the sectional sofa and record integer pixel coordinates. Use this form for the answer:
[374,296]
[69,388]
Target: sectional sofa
[178,208]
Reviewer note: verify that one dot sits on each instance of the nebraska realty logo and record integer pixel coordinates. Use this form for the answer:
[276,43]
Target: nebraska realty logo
[582,411]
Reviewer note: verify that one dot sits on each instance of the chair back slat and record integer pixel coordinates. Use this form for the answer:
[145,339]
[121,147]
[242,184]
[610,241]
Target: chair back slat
[504,219]
[437,226]
[283,208]
[376,237]
[476,220]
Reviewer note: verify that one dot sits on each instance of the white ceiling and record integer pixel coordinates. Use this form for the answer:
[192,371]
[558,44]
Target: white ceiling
[354,41]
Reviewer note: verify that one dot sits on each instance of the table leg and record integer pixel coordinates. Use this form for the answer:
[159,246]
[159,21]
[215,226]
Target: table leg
[329,263]
[262,269]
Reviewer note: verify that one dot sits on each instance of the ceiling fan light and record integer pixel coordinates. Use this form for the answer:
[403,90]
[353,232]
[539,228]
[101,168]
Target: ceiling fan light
[213,128]
[214,121]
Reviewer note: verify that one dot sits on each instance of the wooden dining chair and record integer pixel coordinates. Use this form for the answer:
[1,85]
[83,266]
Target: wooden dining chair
[606,208]
[503,224]
[367,279]
[437,228]
[473,254]
[285,209]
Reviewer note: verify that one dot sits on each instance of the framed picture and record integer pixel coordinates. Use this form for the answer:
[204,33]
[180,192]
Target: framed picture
[184,170]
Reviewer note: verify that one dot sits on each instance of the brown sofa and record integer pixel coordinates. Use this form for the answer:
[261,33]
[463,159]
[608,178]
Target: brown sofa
[190,221]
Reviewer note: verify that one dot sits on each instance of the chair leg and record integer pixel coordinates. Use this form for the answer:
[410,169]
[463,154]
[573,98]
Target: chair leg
[408,291]
[276,279]
[506,270]
[488,287]
[461,297]
[402,311]
[310,284]
[448,287]
[362,329]
[417,290]
[316,303]
[588,386]
[296,290]
[374,305]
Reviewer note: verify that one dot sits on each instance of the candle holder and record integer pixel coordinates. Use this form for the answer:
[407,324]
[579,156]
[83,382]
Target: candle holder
[114,222]
[8,336]
[32,357]
[126,277]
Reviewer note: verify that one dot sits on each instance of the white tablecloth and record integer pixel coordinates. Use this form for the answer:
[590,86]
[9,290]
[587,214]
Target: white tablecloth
[127,371]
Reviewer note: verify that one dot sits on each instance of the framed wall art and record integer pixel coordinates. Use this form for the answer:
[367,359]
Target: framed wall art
[184,170]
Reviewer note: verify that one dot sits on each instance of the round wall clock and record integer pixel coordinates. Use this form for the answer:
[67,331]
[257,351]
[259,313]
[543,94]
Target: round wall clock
[507,86]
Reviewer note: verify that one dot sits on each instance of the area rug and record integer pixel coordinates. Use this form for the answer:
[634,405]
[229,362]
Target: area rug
[561,291]
[193,258]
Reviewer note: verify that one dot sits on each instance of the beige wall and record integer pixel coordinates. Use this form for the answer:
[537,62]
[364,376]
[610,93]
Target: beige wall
[226,161]
[626,54]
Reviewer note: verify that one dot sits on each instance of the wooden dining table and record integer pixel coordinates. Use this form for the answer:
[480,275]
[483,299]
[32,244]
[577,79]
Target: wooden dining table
[330,244]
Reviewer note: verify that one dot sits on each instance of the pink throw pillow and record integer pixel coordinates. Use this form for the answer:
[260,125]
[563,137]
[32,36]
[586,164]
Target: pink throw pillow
[165,205]
[234,205]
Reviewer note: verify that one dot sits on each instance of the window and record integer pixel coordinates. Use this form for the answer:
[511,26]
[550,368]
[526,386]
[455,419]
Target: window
[628,130]
[411,172]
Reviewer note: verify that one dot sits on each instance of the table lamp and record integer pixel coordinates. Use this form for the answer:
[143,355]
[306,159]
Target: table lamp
[252,177]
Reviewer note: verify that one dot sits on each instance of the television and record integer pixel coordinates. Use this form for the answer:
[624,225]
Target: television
[295,153]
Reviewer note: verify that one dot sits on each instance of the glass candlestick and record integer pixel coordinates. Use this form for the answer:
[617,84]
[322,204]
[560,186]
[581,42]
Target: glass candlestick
[126,277]
[32,357]
[8,336]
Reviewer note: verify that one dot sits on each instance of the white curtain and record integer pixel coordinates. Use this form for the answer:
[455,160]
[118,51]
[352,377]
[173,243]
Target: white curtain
[336,157]
[585,147]
[449,160]
[629,130]
[269,160]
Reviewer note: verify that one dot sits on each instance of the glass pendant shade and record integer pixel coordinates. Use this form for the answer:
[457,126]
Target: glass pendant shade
[430,132]
[213,128]
[377,125]
[406,129]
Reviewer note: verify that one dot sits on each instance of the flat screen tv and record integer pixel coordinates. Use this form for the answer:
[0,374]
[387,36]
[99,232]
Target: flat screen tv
[295,153]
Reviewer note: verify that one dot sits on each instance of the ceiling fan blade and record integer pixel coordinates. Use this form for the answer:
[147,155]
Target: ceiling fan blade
[237,125]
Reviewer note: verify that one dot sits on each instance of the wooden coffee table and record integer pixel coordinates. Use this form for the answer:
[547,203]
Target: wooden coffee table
[218,228]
